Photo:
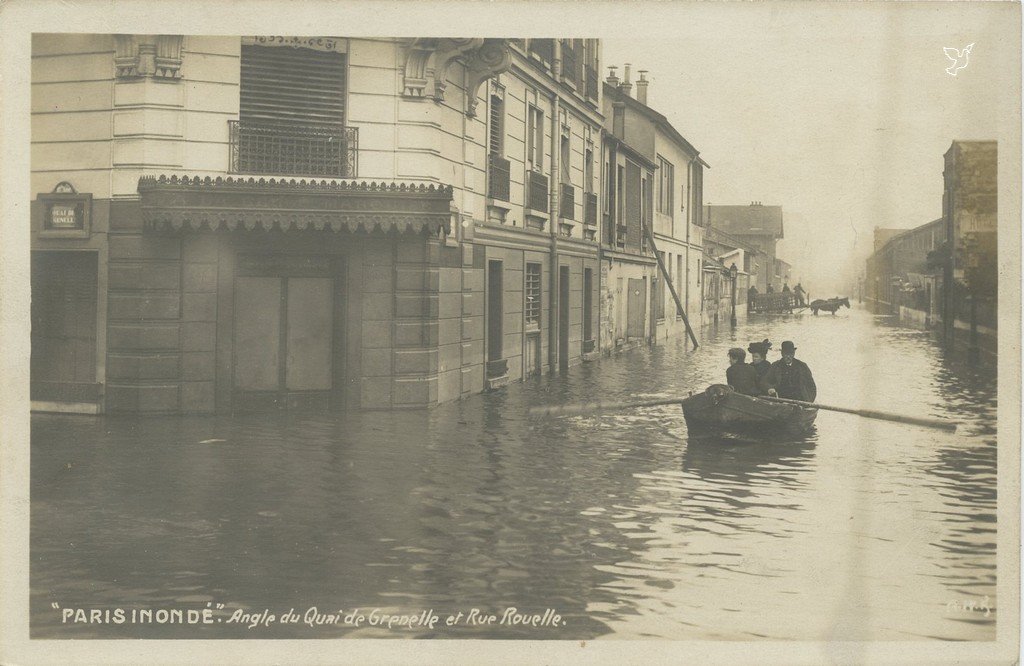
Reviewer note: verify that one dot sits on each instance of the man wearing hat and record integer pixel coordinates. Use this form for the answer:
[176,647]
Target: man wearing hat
[790,378]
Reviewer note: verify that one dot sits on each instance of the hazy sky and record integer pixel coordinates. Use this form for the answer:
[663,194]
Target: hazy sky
[839,114]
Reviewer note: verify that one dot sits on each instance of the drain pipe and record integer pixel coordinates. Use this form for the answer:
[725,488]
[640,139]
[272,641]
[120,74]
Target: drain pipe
[553,194]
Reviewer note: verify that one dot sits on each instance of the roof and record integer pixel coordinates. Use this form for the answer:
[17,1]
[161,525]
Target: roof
[660,120]
[752,220]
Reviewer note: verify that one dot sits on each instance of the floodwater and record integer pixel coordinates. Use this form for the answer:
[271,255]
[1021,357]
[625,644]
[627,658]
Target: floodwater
[618,522]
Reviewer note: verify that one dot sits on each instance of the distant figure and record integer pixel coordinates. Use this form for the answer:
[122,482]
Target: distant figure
[785,287]
[751,293]
[759,361]
[801,295]
[740,376]
[790,378]
[771,289]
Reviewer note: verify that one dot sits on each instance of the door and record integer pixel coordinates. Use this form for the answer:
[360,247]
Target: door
[588,310]
[563,318]
[283,347]
[496,363]
[636,307]
[63,316]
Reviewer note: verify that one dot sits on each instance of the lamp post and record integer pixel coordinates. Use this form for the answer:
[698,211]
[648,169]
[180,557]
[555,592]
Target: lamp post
[732,274]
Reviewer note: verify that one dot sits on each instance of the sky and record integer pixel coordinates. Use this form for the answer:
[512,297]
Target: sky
[839,114]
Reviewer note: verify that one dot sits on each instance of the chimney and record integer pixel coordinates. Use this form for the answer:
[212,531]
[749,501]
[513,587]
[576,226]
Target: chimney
[627,86]
[641,87]
[612,79]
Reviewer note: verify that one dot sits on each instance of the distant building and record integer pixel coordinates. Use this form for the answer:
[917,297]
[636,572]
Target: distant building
[756,225]
[903,271]
[945,271]
[969,207]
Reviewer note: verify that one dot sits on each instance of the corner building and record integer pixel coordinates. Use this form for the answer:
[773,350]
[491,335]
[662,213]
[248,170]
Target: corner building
[245,223]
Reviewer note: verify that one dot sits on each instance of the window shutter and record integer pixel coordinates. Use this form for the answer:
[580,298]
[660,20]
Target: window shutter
[292,85]
[495,144]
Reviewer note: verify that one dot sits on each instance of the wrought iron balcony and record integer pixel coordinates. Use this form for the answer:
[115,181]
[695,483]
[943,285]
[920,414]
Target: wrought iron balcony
[567,202]
[499,177]
[590,214]
[294,149]
[537,191]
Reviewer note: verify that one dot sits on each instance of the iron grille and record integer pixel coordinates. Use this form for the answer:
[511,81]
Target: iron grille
[590,215]
[567,202]
[537,192]
[533,296]
[499,177]
[293,150]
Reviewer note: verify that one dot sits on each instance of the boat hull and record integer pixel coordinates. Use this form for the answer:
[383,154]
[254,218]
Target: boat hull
[720,408]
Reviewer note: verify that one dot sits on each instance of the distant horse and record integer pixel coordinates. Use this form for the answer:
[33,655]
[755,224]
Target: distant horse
[831,305]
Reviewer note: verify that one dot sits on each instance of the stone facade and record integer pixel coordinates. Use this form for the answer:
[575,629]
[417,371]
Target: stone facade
[386,268]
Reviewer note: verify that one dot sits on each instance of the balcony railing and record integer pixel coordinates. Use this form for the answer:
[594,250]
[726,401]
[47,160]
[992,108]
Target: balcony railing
[537,191]
[590,214]
[499,177]
[567,202]
[293,150]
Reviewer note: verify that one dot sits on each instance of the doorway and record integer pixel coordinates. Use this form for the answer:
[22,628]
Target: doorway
[286,349]
[496,363]
[636,307]
[563,318]
[63,318]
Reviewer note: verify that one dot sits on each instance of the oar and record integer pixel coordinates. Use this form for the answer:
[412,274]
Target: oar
[600,406]
[870,413]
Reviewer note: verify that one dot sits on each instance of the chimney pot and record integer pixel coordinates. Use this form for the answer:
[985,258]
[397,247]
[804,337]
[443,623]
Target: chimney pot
[626,86]
[613,79]
[641,87]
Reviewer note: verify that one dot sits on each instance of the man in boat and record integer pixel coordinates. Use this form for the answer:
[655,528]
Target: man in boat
[740,376]
[759,361]
[790,378]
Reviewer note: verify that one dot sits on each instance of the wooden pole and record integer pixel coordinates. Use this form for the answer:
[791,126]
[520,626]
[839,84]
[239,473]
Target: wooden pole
[564,410]
[870,413]
[671,287]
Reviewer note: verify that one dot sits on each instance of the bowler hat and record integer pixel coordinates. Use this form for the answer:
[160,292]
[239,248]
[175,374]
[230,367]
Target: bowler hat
[788,346]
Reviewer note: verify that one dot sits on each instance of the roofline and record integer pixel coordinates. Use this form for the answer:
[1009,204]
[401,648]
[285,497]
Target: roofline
[658,118]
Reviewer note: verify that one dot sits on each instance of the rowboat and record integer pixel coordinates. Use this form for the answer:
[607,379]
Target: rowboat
[720,408]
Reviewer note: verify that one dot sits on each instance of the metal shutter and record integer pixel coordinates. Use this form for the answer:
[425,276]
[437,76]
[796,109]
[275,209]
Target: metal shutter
[284,85]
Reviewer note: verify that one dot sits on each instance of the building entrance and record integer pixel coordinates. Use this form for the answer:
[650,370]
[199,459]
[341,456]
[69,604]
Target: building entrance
[286,333]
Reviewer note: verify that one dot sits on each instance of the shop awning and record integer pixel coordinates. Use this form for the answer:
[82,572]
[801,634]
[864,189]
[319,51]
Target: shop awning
[182,203]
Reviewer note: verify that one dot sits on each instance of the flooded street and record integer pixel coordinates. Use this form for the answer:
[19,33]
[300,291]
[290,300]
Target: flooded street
[617,521]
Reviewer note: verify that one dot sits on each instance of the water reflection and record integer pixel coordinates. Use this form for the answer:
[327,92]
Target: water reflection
[622,522]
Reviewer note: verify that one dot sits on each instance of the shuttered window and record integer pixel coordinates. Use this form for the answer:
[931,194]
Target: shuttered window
[496,126]
[284,85]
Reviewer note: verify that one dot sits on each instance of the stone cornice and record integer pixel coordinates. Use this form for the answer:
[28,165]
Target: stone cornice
[177,203]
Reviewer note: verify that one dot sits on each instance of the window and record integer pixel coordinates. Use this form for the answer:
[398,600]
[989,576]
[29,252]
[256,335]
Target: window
[291,117]
[666,183]
[531,305]
[292,85]
[659,292]
[535,139]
